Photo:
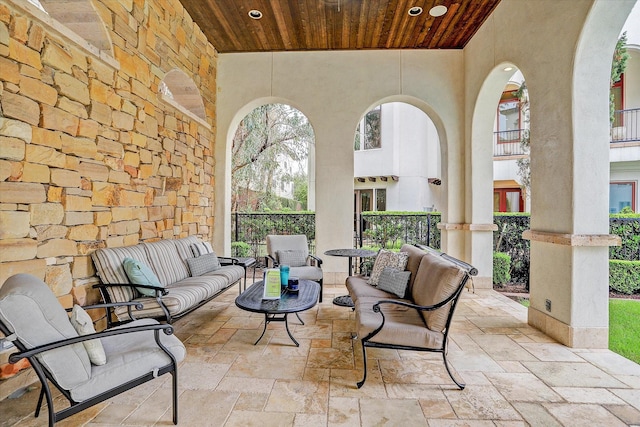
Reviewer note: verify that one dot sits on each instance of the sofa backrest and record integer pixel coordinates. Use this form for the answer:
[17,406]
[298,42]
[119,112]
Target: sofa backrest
[436,280]
[166,261]
[167,258]
[30,310]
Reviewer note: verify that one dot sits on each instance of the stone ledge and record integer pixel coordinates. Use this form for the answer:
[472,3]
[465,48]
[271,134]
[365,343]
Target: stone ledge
[58,29]
[466,227]
[572,239]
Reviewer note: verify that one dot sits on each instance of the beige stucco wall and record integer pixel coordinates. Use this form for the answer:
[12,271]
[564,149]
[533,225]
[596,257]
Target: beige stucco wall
[334,90]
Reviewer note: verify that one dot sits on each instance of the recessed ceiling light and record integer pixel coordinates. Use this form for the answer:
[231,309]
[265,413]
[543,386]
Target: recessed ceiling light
[508,68]
[415,11]
[255,14]
[438,11]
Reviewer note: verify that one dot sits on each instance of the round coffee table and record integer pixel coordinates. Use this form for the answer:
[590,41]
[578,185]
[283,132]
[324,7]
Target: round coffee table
[289,302]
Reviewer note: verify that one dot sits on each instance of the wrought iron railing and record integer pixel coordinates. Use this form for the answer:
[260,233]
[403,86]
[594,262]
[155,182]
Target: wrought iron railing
[377,229]
[507,143]
[626,125]
[253,228]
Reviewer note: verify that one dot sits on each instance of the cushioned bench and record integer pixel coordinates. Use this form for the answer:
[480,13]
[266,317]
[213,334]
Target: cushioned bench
[417,319]
[174,264]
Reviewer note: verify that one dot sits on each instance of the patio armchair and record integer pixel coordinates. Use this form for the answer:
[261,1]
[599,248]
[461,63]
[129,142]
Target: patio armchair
[293,250]
[129,355]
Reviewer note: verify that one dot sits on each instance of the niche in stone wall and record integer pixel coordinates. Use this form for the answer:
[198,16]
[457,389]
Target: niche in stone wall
[81,17]
[179,90]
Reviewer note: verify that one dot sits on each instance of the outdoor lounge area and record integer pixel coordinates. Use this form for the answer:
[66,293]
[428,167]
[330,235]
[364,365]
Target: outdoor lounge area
[117,120]
[515,376]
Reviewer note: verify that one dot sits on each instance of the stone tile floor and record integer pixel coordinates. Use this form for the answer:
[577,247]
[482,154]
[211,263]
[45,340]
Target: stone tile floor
[515,375]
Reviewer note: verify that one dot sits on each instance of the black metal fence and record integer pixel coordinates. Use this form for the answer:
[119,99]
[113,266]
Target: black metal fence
[507,142]
[253,228]
[391,230]
[626,125]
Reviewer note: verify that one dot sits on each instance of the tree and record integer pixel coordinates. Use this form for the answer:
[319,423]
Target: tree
[524,164]
[301,189]
[619,64]
[270,144]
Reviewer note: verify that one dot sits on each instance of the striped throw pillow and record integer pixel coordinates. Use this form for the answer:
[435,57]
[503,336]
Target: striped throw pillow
[201,248]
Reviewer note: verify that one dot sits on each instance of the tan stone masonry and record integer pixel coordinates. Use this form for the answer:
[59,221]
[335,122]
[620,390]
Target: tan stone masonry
[90,156]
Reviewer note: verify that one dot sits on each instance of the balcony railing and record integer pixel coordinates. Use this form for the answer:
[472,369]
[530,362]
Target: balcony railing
[626,124]
[507,143]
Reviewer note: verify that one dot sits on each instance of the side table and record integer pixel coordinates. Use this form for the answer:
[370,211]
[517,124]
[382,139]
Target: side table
[345,300]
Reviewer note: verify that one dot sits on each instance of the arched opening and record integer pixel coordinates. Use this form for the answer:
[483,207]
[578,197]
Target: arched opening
[179,90]
[272,154]
[397,168]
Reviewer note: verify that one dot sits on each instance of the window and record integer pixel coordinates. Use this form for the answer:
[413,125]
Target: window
[381,199]
[508,200]
[369,135]
[621,195]
[508,118]
[365,200]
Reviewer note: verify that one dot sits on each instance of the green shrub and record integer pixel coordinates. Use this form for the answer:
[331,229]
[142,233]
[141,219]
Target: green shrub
[501,268]
[624,276]
[240,249]
[627,226]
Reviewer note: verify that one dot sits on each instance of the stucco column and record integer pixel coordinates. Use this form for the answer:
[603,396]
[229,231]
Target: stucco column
[570,187]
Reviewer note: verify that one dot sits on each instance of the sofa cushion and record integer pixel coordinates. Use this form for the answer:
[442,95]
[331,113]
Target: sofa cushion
[413,262]
[129,356]
[83,324]
[384,259]
[437,279]
[202,264]
[402,325]
[166,262]
[293,258]
[30,310]
[358,288]
[394,281]
[141,274]
[201,248]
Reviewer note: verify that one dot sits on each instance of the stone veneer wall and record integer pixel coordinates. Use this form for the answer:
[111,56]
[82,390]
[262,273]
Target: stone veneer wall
[89,155]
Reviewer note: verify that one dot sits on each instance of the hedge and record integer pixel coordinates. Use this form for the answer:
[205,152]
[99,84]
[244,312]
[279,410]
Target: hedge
[501,268]
[624,276]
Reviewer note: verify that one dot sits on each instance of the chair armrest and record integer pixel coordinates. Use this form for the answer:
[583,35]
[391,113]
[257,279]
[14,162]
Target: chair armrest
[316,259]
[162,291]
[13,358]
[268,258]
[376,306]
[225,260]
[137,305]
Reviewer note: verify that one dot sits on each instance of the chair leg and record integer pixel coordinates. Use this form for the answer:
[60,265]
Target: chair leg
[320,282]
[446,365]
[39,406]
[174,381]
[364,359]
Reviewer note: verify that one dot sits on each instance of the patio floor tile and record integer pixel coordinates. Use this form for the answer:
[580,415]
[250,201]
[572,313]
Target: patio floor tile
[515,375]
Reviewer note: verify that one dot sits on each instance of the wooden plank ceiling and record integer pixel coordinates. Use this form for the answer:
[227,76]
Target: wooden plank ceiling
[294,25]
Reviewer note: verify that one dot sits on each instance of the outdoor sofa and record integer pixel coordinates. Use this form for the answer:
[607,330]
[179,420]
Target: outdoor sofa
[188,272]
[419,318]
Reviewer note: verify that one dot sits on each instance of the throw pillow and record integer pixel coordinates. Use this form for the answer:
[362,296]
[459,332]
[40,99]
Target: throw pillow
[203,264]
[83,325]
[140,274]
[293,258]
[397,260]
[394,281]
[201,248]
